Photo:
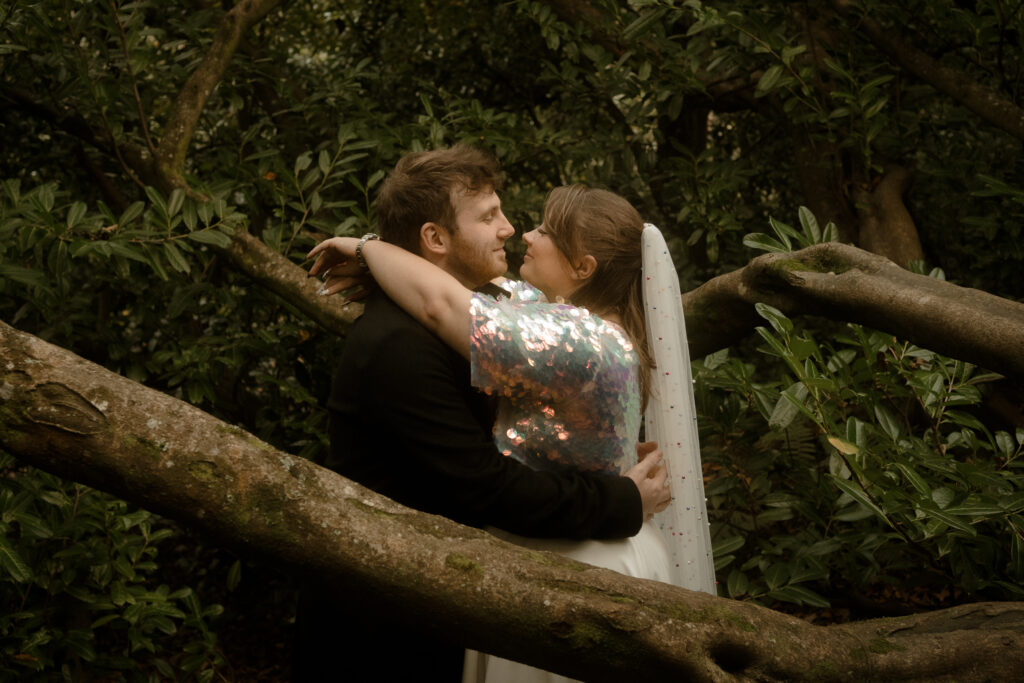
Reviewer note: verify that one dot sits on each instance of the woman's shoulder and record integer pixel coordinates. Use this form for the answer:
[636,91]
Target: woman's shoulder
[521,291]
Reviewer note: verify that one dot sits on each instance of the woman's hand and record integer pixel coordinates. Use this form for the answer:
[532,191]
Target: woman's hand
[336,262]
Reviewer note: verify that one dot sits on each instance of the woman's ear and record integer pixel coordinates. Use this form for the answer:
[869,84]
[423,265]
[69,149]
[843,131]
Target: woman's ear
[433,240]
[585,268]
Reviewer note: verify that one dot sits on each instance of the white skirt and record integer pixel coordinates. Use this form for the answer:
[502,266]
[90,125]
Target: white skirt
[644,556]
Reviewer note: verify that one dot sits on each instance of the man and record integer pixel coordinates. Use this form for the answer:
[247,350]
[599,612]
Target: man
[406,423]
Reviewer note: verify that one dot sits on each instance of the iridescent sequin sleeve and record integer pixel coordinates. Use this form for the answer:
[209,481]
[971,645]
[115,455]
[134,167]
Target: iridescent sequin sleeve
[544,350]
[568,382]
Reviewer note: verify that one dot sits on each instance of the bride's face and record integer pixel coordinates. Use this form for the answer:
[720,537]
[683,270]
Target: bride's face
[545,266]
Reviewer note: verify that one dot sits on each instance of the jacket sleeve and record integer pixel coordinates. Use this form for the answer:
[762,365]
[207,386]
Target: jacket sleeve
[417,399]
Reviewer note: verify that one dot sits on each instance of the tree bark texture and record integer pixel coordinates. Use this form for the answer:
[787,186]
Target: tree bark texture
[886,227]
[64,414]
[841,282]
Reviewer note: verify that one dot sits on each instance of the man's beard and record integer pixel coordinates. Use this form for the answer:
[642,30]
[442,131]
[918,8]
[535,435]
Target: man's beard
[473,265]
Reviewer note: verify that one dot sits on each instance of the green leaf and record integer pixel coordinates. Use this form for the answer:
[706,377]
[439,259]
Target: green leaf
[844,447]
[32,526]
[763,242]
[130,251]
[975,510]
[737,583]
[887,421]
[25,276]
[965,419]
[131,213]
[176,202]
[12,562]
[234,575]
[857,493]
[46,197]
[157,200]
[175,258]
[1005,443]
[788,406]
[792,51]
[768,80]
[727,545]
[777,318]
[915,479]
[776,575]
[951,521]
[302,162]
[212,236]
[785,232]
[809,224]
[75,214]
[645,20]
[943,496]
[800,595]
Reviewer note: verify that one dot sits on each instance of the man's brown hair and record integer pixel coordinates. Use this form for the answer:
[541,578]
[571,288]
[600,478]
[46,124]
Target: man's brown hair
[419,190]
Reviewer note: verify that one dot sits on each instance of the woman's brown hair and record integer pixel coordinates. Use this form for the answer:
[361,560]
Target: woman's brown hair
[581,221]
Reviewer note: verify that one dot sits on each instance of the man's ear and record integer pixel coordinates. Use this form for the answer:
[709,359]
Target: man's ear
[585,268]
[434,239]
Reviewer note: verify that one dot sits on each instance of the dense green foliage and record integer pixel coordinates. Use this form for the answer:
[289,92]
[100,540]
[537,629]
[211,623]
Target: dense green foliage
[842,463]
[860,463]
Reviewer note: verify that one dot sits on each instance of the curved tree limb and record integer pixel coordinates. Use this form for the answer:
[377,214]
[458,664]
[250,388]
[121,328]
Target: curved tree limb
[64,414]
[841,282]
[983,101]
[276,273]
[188,105]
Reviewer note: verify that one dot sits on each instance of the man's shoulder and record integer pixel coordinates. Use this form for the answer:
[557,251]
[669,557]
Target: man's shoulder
[387,335]
[383,318]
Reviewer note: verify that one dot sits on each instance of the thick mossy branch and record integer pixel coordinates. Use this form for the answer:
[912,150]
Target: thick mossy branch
[844,283]
[581,621]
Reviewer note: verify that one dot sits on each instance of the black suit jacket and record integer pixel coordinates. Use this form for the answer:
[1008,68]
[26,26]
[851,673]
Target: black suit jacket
[405,422]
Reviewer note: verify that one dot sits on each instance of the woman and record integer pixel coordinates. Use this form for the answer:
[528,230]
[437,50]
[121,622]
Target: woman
[573,378]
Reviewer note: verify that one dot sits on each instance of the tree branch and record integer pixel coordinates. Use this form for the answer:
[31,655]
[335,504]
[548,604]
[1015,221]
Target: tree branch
[983,101]
[841,282]
[66,415]
[188,106]
[276,273]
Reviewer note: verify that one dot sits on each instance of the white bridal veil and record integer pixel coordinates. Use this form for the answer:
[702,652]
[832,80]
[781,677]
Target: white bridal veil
[671,420]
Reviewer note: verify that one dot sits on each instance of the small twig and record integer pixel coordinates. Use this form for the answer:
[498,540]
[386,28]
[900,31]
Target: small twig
[135,83]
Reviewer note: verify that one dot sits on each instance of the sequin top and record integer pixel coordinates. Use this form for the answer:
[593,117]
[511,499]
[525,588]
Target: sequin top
[568,381]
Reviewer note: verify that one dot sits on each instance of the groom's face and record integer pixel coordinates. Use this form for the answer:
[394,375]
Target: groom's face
[477,250]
